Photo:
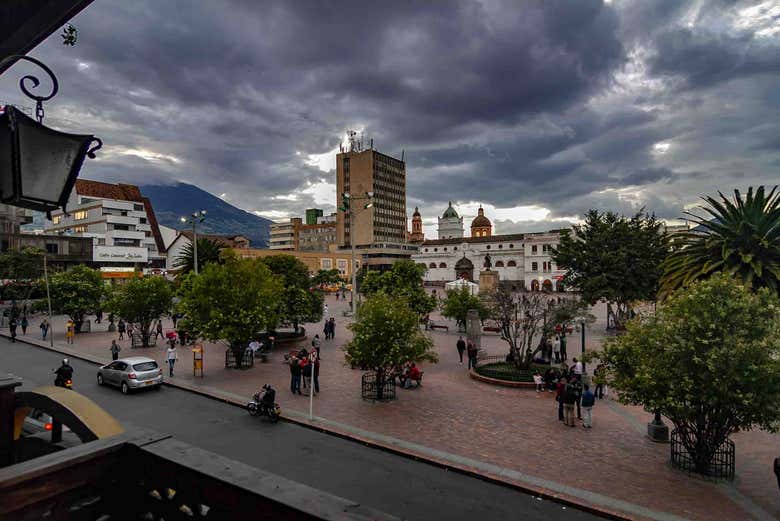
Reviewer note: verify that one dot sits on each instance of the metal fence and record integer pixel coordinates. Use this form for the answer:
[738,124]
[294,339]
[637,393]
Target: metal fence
[721,466]
[379,387]
[244,361]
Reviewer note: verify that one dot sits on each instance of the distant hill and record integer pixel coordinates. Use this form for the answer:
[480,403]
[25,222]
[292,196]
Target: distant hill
[171,202]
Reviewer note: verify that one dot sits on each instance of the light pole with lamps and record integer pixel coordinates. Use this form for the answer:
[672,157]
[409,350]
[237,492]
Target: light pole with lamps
[348,206]
[194,219]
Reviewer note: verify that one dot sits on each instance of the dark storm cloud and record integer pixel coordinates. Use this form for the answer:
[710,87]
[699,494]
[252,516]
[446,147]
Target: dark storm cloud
[558,103]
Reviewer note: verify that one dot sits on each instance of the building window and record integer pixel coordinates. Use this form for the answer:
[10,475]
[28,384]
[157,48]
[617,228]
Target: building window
[80,215]
[488,246]
[533,248]
[511,264]
[436,249]
[426,249]
[327,264]
[455,248]
[432,265]
[142,220]
[52,247]
[500,246]
[511,245]
[442,265]
[499,264]
[138,207]
[79,229]
[57,219]
[534,266]
[445,248]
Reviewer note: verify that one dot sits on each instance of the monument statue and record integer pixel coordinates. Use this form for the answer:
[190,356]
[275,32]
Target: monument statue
[487,265]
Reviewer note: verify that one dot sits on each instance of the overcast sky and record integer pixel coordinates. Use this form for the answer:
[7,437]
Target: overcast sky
[538,110]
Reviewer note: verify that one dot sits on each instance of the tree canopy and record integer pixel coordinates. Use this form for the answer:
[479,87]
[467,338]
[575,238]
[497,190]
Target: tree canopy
[709,360]
[386,334]
[459,301]
[231,302]
[208,252]
[22,268]
[142,301]
[615,258]
[76,292]
[739,236]
[403,280]
[298,303]
[327,277]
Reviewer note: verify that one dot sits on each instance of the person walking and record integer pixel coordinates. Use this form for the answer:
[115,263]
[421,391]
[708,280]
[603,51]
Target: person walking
[569,399]
[556,345]
[332,328]
[44,328]
[559,392]
[12,325]
[24,323]
[461,345]
[70,331]
[159,332]
[115,350]
[472,354]
[588,401]
[295,375]
[599,379]
[325,309]
[577,368]
[121,327]
[564,356]
[326,330]
[171,355]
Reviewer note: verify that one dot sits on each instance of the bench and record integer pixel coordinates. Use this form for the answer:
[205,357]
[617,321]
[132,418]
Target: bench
[436,326]
[492,329]
[402,379]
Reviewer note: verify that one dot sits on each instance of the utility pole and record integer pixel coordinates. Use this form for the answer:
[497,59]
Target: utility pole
[194,219]
[48,298]
[348,206]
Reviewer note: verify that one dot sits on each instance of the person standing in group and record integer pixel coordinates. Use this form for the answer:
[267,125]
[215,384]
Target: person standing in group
[314,362]
[564,356]
[316,343]
[461,346]
[295,375]
[70,331]
[24,323]
[569,399]
[121,327]
[557,349]
[472,354]
[12,325]
[559,392]
[115,350]
[326,330]
[577,368]
[577,384]
[159,332]
[171,355]
[588,401]
[44,328]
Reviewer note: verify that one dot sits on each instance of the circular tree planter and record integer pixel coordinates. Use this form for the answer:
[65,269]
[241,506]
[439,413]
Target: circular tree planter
[377,387]
[496,370]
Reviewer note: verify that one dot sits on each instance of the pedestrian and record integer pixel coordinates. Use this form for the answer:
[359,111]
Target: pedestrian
[159,332]
[472,354]
[326,330]
[307,370]
[44,328]
[12,327]
[325,309]
[588,400]
[316,372]
[569,399]
[564,356]
[332,328]
[559,392]
[115,350]
[316,343]
[175,318]
[538,382]
[98,316]
[577,384]
[303,360]
[70,331]
[121,327]
[461,345]
[599,379]
[171,355]
[577,368]
[24,323]
[295,375]
[557,349]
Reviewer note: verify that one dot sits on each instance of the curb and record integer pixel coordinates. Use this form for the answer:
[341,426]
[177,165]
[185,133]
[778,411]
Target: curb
[442,464]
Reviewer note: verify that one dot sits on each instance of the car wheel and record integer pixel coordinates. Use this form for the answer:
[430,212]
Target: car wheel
[100,379]
[125,388]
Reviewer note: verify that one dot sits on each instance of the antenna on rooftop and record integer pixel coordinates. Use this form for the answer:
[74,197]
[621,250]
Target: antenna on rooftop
[402,154]
[354,144]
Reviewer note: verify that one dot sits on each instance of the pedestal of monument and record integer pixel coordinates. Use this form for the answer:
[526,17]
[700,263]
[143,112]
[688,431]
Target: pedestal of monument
[488,281]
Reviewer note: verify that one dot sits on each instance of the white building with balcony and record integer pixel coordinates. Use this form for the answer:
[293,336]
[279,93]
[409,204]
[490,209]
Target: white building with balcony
[120,221]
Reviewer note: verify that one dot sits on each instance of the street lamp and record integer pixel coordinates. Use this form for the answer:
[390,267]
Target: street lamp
[194,219]
[347,206]
[38,165]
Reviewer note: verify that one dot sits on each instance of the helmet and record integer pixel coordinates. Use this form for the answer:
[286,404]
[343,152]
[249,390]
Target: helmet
[64,361]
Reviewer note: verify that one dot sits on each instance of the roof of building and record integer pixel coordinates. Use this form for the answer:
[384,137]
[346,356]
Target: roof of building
[416,212]
[226,241]
[480,220]
[471,240]
[119,191]
[153,224]
[449,212]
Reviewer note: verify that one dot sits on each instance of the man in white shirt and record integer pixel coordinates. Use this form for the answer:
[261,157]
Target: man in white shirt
[577,367]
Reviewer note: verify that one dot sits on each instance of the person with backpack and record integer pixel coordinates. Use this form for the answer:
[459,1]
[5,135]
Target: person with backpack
[588,401]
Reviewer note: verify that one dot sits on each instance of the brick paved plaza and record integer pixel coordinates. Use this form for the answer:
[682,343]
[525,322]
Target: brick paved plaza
[514,433]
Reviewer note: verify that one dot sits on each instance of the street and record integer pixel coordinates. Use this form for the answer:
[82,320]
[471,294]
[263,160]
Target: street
[398,486]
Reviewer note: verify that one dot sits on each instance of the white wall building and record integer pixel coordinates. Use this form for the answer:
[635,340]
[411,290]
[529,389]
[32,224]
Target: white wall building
[120,221]
[450,224]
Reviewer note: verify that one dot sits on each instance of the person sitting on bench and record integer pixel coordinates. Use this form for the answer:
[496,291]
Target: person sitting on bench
[411,374]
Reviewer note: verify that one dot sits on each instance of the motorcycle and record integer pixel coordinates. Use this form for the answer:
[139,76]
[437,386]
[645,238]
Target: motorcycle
[263,404]
[64,376]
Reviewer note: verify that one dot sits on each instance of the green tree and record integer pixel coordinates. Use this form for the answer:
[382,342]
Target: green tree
[386,334]
[142,301]
[327,277]
[457,304]
[404,280]
[299,304]
[208,252]
[615,258]
[709,360]
[231,302]
[76,292]
[739,236]
[22,268]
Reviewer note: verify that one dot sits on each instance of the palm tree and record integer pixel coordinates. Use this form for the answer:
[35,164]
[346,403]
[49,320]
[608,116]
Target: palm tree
[208,251]
[739,236]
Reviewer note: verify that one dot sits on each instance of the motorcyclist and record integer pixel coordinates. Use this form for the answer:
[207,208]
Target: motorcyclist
[64,373]
[269,397]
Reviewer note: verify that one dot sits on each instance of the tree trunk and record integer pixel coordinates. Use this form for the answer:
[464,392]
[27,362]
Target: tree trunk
[380,384]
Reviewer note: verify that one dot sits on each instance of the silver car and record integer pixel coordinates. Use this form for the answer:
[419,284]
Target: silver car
[131,373]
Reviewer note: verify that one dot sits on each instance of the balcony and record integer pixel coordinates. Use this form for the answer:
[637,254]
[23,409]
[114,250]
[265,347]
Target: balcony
[125,234]
[120,219]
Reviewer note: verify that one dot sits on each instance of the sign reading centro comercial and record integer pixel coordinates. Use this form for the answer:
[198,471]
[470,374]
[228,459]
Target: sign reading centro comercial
[119,254]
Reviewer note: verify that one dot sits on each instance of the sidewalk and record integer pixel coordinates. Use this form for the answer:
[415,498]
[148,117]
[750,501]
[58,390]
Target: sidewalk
[506,434]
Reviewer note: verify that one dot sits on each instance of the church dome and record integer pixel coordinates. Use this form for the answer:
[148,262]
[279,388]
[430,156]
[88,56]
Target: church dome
[450,212]
[480,221]
[416,212]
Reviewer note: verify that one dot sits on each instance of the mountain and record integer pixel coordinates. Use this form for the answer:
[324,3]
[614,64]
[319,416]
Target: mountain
[171,202]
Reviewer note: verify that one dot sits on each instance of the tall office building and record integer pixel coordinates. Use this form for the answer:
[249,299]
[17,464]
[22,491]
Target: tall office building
[380,231]
[312,214]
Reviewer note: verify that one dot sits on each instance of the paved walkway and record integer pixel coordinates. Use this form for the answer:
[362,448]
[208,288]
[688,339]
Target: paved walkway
[507,434]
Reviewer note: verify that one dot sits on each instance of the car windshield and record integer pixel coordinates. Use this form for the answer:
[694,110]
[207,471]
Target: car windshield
[145,366]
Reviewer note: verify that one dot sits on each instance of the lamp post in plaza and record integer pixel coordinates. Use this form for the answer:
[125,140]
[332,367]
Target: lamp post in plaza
[194,219]
[348,205]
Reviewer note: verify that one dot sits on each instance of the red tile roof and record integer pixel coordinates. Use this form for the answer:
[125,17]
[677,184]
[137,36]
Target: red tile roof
[120,192]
